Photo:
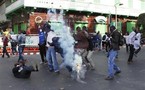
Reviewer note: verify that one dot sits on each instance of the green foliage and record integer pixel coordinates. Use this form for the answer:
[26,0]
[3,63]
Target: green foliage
[141,23]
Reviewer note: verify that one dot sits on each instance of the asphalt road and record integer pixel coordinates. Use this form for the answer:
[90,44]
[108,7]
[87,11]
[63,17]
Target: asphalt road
[132,76]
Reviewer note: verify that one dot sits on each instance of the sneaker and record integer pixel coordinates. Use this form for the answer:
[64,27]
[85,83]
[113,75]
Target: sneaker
[57,72]
[117,72]
[51,70]
[45,62]
[41,62]
[109,78]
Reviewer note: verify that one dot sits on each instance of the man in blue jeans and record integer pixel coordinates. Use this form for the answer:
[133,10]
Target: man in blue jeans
[21,45]
[113,69]
[51,53]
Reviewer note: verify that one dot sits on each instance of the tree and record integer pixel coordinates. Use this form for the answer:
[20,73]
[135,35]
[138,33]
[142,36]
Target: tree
[141,23]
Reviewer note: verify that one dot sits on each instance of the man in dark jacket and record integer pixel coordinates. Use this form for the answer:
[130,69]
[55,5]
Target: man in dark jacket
[21,70]
[114,47]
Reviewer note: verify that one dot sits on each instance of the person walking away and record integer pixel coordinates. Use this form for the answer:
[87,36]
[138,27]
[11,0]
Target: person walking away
[126,41]
[115,35]
[21,45]
[5,44]
[131,39]
[42,45]
[137,45]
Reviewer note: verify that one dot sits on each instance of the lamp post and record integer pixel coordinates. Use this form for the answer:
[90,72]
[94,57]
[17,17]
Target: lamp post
[117,4]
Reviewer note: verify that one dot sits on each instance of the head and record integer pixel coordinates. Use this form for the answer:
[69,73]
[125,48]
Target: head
[98,32]
[112,28]
[20,63]
[135,29]
[46,27]
[78,29]
[127,33]
[84,28]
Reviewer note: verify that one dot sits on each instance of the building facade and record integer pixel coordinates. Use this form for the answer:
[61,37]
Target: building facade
[22,13]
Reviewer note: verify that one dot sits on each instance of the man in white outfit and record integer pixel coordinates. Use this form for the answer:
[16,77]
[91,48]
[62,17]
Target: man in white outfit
[137,45]
[131,39]
[51,53]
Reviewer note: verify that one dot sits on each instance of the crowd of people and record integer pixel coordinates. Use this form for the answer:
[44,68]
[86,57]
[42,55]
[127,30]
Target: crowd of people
[85,45]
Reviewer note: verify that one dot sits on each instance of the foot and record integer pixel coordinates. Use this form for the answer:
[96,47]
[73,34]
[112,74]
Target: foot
[117,72]
[36,67]
[51,70]
[109,78]
[41,62]
[45,62]
[57,72]
[129,62]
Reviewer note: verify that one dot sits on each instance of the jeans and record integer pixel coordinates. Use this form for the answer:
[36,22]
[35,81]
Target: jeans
[111,64]
[51,57]
[20,51]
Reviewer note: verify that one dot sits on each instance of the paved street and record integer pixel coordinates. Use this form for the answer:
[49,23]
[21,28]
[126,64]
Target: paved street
[131,78]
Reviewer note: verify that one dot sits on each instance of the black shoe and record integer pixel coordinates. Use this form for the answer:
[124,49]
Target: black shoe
[117,72]
[109,78]
[2,56]
[8,56]
[51,70]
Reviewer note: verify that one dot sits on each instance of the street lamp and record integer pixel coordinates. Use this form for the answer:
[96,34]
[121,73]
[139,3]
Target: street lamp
[117,4]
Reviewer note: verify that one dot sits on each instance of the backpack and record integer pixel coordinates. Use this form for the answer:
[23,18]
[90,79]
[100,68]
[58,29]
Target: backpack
[57,45]
[121,40]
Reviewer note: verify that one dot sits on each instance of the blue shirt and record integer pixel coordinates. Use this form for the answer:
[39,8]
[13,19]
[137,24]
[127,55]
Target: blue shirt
[42,39]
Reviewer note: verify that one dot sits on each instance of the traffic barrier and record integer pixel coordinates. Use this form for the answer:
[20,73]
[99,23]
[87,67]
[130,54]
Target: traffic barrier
[27,51]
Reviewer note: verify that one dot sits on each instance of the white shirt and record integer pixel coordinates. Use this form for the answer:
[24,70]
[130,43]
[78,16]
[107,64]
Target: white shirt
[50,36]
[131,37]
[137,41]
[126,38]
